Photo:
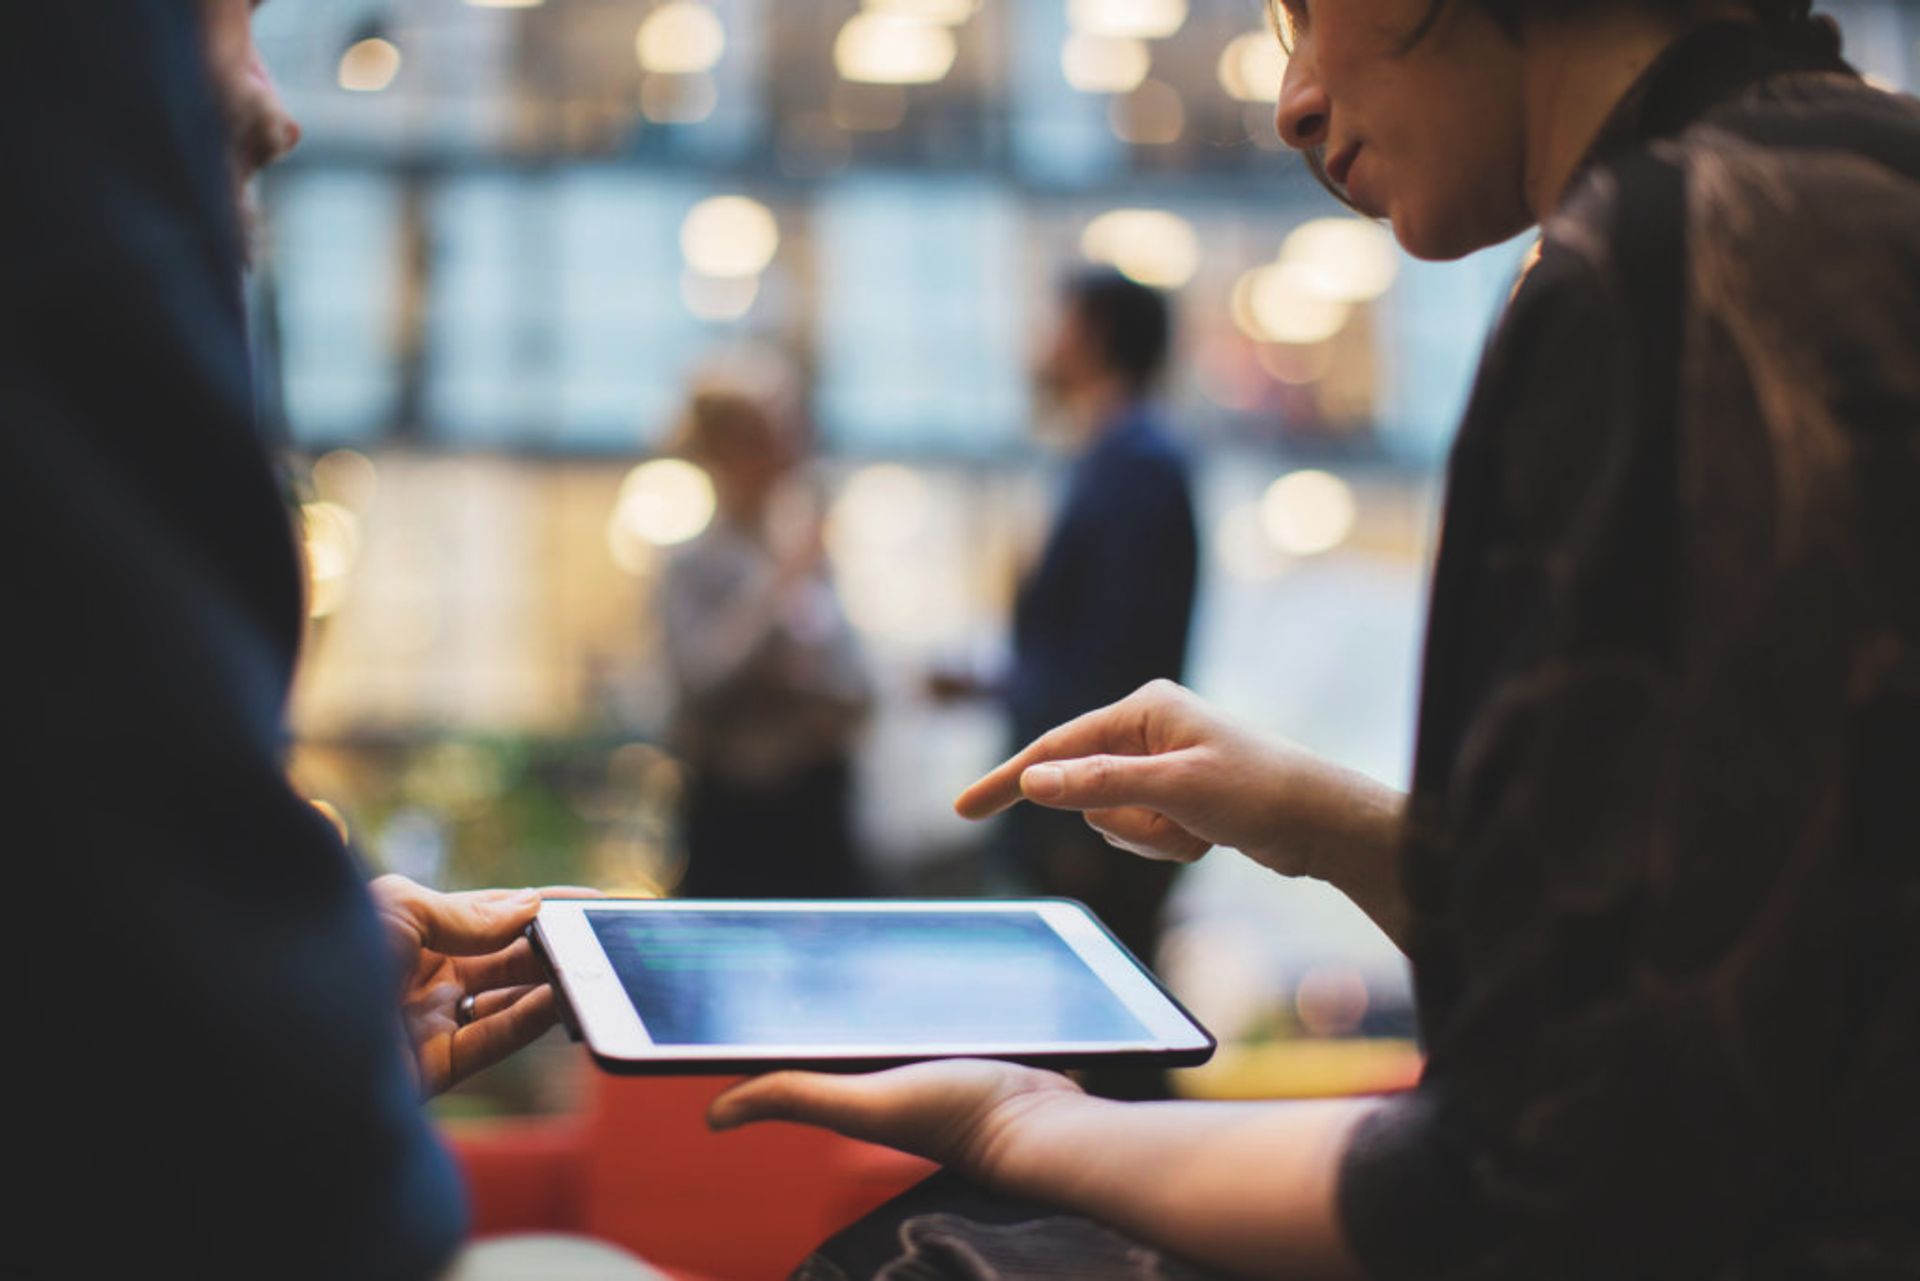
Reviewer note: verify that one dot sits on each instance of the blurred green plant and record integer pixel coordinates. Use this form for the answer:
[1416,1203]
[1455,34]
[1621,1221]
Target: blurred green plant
[471,811]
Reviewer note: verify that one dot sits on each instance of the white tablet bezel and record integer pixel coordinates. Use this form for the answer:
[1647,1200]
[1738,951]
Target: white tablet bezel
[612,1028]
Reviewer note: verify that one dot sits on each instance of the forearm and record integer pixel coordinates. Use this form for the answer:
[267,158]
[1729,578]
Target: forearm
[1249,1188]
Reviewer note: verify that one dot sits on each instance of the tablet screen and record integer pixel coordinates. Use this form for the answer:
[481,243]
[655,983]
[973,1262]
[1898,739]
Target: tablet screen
[729,977]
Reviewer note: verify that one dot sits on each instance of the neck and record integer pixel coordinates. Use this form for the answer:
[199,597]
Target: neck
[1577,73]
[1098,405]
[744,508]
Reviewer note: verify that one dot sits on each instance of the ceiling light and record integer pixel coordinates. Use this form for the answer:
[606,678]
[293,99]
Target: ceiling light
[1148,245]
[681,38]
[886,48]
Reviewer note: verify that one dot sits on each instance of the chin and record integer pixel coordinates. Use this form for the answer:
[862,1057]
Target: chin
[1443,230]
[1439,238]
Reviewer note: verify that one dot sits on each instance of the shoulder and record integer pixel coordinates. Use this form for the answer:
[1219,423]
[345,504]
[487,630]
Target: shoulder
[1142,452]
[717,560]
[1805,174]
[1782,230]
[1819,114]
[1825,159]
[1794,152]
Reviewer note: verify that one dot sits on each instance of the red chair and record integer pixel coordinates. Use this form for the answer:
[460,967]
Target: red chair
[640,1169]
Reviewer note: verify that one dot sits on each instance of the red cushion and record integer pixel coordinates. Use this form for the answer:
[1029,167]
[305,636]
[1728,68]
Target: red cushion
[524,1175]
[744,1205]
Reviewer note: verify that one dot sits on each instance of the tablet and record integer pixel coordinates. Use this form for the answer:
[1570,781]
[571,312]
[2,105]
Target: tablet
[690,986]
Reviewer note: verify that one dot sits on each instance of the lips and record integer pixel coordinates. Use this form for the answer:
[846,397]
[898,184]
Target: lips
[1342,164]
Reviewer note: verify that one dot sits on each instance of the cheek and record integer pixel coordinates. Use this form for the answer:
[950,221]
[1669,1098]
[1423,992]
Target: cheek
[1056,357]
[227,24]
[1457,182]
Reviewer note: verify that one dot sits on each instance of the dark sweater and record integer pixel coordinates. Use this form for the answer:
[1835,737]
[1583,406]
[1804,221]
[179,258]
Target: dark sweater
[1665,861]
[205,1074]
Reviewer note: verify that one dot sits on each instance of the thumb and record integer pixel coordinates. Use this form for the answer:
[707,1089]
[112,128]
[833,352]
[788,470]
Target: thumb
[475,923]
[1105,782]
[814,1098]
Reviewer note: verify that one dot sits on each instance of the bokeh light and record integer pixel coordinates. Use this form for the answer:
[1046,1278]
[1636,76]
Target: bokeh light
[1151,246]
[369,65]
[1104,64]
[1142,19]
[681,37]
[330,538]
[662,503]
[1282,302]
[727,236]
[1253,67]
[879,47]
[949,13]
[1344,259]
[1308,512]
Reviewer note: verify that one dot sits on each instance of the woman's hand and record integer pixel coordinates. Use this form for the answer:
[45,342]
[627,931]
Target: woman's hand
[451,946]
[958,1112]
[1249,1188]
[1163,775]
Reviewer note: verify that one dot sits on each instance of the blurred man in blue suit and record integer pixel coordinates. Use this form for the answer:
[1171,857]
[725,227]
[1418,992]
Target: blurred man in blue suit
[1109,605]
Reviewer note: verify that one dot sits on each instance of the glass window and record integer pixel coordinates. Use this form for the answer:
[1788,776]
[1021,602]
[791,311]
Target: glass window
[922,325]
[488,380]
[337,252]
[623,337]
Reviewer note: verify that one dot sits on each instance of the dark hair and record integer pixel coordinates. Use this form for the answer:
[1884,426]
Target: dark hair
[1130,324]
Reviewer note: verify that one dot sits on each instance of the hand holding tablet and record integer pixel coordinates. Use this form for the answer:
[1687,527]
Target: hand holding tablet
[955,1112]
[687,986]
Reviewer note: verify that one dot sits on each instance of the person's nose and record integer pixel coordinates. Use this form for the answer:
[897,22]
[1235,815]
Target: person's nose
[1305,110]
[283,132]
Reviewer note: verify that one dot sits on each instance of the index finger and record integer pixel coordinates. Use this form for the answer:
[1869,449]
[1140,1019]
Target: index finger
[1103,730]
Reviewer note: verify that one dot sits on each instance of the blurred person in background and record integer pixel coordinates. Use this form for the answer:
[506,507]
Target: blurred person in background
[233,1032]
[770,683]
[1110,603]
[1659,871]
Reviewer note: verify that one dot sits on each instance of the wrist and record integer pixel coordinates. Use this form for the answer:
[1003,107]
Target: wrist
[1029,1146]
[1296,785]
[1329,823]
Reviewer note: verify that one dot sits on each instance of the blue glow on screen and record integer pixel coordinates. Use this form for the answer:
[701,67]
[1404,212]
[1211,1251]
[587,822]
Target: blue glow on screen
[857,978]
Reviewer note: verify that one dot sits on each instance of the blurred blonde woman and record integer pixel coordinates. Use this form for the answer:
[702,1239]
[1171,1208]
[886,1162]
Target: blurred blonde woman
[771,687]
